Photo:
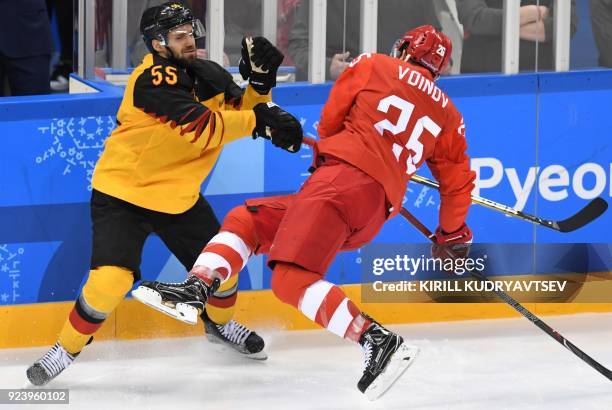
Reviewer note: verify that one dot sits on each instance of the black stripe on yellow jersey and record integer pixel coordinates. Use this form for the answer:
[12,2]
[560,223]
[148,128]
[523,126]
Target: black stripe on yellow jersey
[172,126]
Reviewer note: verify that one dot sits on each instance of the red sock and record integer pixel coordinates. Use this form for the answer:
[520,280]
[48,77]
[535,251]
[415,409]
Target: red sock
[228,251]
[319,300]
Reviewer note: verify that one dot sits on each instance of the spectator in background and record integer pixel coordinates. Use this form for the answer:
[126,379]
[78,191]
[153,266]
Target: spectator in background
[601,20]
[25,47]
[394,17]
[243,18]
[286,17]
[103,32]
[482,25]
[65,20]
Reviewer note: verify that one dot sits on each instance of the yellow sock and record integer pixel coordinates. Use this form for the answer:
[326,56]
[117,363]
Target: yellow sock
[105,288]
[220,307]
[71,339]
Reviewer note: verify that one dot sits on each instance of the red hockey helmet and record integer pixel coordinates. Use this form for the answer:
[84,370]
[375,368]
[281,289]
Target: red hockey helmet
[427,47]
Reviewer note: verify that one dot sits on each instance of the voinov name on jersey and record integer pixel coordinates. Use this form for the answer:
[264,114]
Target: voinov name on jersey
[553,182]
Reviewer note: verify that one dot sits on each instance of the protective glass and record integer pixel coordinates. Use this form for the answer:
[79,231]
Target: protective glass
[197,31]
[395,50]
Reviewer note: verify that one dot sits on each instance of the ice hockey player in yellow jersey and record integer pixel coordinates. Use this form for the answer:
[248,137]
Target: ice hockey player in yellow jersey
[177,113]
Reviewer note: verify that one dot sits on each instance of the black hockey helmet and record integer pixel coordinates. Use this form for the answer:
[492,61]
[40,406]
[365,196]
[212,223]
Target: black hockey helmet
[157,21]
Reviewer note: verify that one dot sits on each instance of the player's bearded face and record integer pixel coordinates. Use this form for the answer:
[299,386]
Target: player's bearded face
[182,43]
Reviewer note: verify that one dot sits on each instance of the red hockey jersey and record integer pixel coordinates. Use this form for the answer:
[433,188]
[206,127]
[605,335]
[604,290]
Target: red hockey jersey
[386,117]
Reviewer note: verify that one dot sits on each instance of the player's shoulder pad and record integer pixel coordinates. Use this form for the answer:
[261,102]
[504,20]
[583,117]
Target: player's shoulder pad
[164,74]
[211,77]
[363,58]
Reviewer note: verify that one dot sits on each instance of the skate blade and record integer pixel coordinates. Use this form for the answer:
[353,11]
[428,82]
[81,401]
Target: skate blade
[398,364]
[181,311]
[262,355]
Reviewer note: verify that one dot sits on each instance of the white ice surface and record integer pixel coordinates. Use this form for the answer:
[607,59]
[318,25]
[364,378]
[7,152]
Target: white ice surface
[497,364]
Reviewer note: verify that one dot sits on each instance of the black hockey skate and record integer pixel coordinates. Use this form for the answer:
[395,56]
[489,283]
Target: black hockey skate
[183,301]
[386,358]
[50,365]
[236,336]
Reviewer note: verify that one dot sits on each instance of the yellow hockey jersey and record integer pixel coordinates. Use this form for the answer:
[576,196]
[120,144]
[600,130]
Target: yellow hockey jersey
[169,136]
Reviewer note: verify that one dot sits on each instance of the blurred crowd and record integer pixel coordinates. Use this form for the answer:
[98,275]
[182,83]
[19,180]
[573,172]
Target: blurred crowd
[27,66]
[32,63]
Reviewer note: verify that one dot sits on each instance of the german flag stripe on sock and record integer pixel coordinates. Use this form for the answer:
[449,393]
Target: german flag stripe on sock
[82,321]
[223,302]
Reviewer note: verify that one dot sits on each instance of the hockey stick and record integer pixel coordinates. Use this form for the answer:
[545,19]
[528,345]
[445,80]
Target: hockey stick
[518,307]
[590,212]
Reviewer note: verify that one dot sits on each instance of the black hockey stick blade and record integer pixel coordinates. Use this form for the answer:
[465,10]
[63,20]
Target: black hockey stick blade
[587,214]
[592,211]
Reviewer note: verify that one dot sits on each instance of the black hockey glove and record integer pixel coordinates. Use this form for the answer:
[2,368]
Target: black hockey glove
[259,63]
[278,126]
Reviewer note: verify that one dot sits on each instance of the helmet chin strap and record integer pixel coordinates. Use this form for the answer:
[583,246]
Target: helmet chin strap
[170,53]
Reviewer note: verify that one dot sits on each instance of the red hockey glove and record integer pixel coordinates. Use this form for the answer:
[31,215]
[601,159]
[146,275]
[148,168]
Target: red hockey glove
[452,245]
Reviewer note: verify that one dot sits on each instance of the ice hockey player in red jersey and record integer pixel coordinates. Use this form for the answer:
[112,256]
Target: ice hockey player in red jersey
[384,118]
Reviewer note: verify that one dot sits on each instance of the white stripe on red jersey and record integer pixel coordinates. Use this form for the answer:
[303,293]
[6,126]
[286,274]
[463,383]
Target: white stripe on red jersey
[313,298]
[213,261]
[225,253]
[233,241]
[323,300]
[341,319]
